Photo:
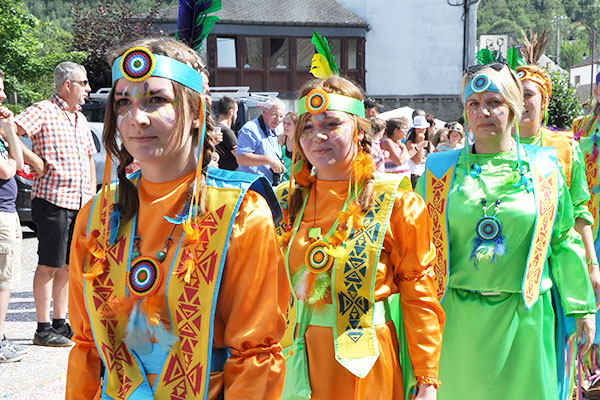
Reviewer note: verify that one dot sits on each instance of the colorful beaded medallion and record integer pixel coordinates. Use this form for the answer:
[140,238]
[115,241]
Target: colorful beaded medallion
[145,277]
[316,258]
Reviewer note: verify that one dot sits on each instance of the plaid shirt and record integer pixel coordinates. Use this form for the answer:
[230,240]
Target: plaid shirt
[64,141]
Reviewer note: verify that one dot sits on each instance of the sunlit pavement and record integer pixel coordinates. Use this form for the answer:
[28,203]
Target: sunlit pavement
[42,373]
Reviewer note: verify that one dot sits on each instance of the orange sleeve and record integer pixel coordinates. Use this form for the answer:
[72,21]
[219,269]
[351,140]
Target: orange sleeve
[253,297]
[83,373]
[411,256]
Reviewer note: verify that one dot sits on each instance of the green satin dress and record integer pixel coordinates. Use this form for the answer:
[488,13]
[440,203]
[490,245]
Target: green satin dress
[493,348]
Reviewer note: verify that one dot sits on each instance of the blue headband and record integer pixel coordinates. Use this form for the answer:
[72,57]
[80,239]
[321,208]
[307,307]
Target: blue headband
[138,64]
[479,84]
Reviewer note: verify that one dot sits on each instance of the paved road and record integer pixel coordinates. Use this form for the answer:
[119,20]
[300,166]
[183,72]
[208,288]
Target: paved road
[42,373]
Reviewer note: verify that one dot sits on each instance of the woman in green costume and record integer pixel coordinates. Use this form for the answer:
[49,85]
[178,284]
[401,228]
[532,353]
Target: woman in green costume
[503,229]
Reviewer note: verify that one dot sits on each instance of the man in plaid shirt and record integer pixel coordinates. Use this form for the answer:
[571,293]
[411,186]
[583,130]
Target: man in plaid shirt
[61,156]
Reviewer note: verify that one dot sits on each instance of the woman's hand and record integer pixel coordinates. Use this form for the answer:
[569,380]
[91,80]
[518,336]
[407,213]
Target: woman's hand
[586,325]
[426,392]
[6,121]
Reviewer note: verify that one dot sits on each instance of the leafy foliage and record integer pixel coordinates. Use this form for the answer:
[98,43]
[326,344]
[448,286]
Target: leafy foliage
[564,105]
[59,11]
[105,27]
[30,50]
[512,16]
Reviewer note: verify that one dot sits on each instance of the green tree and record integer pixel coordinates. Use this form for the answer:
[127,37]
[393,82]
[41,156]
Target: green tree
[30,50]
[112,27]
[564,105]
[60,11]
[571,54]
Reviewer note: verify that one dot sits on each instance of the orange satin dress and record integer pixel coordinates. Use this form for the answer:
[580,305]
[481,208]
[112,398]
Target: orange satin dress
[249,318]
[403,268]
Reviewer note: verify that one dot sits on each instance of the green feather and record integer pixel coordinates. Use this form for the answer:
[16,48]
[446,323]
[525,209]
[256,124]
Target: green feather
[485,251]
[214,7]
[485,56]
[209,22]
[322,47]
[297,276]
[512,58]
[320,288]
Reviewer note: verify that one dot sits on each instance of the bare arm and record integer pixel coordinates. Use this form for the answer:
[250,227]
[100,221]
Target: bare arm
[414,151]
[92,174]
[36,162]
[398,152]
[8,168]
[585,230]
[254,160]
[9,132]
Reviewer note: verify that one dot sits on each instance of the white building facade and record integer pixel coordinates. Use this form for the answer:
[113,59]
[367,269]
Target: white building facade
[416,51]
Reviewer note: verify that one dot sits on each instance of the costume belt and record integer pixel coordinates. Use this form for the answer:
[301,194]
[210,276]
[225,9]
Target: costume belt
[325,314]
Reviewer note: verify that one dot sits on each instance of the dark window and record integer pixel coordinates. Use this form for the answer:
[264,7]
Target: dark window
[352,45]
[304,53]
[254,53]
[306,50]
[336,49]
[280,53]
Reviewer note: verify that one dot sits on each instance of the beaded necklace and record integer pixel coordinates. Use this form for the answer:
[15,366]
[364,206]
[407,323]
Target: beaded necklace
[489,243]
[145,273]
[317,258]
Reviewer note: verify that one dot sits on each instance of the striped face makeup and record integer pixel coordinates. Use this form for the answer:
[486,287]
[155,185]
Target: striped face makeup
[146,115]
[332,124]
[487,115]
[328,141]
[151,96]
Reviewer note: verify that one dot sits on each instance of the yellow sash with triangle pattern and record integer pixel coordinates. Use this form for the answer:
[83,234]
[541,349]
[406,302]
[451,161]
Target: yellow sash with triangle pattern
[352,282]
[191,307]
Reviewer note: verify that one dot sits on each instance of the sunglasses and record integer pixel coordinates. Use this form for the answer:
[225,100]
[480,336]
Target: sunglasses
[473,69]
[83,83]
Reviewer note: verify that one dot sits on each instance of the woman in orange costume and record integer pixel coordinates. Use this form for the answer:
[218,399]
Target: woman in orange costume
[149,316]
[354,241]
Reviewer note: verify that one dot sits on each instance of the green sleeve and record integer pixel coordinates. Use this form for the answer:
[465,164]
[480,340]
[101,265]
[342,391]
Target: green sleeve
[567,261]
[579,192]
[419,188]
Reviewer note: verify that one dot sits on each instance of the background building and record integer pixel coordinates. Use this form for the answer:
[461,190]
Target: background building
[582,74]
[404,53]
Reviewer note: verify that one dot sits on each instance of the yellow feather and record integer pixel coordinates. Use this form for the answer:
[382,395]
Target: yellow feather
[96,270]
[339,252]
[319,67]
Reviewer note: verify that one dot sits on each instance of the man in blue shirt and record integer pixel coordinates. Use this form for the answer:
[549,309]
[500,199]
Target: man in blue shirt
[258,150]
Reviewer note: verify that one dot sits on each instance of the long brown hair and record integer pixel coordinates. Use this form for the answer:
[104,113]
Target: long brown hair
[188,110]
[338,85]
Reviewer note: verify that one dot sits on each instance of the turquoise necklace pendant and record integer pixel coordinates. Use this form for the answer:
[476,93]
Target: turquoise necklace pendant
[488,244]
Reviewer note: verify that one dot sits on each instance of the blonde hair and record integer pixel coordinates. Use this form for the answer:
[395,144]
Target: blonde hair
[188,108]
[507,82]
[338,85]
